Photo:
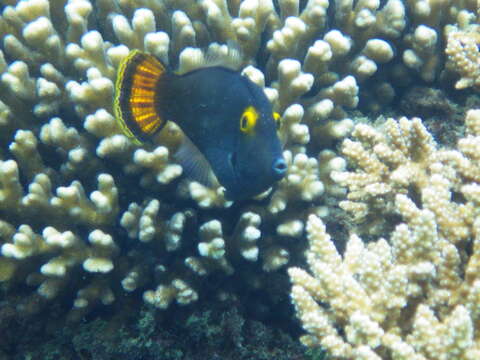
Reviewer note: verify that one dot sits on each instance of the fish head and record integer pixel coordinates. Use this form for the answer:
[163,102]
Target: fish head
[236,131]
[256,159]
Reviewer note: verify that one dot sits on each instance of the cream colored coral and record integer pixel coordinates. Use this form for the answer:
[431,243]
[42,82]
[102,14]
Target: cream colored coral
[252,19]
[25,149]
[175,227]
[133,279]
[386,162]
[101,252]
[25,243]
[300,184]
[292,228]
[464,56]
[183,34]
[415,294]
[247,233]
[177,290]
[285,40]
[291,128]
[208,197]
[18,80]
[343,92]
[70,252]
[130,219]
[133,35]
[212,245]
[292,82]
[375,51]
[293,35]
[92,94]
[318,57]
[158,161]
[56,133]
[421,55]
[69,144]
[58,71]
[90,54]
[368,291]
[101,123]
[403,157]
[114,146]
[11,189]
[143,223]
[100,208]
[146,224]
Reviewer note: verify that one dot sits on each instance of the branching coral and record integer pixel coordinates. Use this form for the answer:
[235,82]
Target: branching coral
[396,160]
[68,176]
[58,68]
[462,51]
[413,295]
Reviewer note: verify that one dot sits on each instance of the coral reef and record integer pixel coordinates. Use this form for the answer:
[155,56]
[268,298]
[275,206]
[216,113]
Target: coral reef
[60,228]
[90,218]
[413,295]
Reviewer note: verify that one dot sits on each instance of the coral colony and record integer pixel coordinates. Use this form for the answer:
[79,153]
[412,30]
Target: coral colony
[88,216]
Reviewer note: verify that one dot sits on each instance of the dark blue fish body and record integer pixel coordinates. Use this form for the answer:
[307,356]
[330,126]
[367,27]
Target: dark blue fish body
[226,116]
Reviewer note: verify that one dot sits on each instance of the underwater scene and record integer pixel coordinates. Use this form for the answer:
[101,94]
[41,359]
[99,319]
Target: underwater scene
[239,179]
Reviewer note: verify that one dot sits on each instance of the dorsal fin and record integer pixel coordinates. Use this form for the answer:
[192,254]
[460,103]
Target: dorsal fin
[136,105]
[224,55]
[227,55]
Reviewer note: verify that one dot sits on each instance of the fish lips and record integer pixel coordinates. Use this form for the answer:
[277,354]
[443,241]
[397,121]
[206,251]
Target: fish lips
[238,186]
[241,186]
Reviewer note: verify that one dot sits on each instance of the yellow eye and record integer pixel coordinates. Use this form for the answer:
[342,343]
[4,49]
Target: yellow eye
[277,117]
[248,120]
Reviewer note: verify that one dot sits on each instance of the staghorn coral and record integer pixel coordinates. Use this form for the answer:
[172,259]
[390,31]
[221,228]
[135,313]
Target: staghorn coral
[397,159]
[415,294]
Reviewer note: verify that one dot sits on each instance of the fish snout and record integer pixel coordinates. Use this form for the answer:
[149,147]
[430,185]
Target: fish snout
[279,168]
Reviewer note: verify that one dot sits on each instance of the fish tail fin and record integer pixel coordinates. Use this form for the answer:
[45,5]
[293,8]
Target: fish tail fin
[137,105]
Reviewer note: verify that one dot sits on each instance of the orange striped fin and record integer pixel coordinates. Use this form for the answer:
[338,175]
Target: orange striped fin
[136,104]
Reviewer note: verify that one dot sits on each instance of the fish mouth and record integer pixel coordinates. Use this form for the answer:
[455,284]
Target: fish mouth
[241,186]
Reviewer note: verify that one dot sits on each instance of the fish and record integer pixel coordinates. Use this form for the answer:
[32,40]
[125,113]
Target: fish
[227,119]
